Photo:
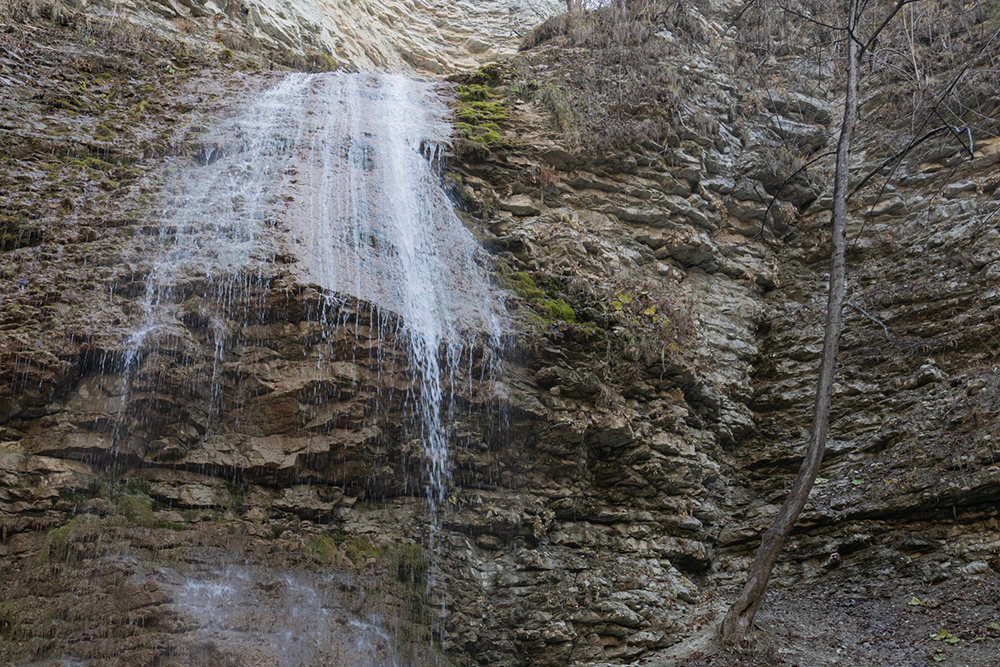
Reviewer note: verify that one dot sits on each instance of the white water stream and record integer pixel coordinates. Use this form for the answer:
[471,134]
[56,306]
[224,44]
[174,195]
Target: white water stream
[333,176]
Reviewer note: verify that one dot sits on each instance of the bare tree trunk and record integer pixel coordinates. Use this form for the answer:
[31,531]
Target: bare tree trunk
[737,627]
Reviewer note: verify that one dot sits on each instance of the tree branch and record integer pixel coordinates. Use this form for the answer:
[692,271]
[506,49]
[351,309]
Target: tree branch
[957,134]
[933,111]
[742,12]
[892,14]
[809,19]
[885,329]
[892,158]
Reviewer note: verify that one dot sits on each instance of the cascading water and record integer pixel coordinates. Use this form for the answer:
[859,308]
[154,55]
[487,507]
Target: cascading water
[213,233]
[332,178]
[380,228]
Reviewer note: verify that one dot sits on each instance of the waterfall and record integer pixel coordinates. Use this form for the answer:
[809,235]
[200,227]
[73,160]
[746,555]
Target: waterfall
[380,228]
[336,176]
[328,183]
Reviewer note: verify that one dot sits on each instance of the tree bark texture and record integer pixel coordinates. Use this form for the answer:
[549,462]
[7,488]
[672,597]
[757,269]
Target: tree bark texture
[737,627]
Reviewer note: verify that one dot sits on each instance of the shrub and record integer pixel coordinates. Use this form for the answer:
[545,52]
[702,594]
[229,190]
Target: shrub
[617,88]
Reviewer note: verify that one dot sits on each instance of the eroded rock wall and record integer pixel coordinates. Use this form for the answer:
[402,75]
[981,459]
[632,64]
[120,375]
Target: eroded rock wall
[425,37]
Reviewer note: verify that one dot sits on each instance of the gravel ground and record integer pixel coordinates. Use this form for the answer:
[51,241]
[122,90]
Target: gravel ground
[905,624]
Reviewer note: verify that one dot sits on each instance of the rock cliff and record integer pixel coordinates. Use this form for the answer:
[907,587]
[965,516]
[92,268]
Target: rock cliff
[606,490]
[426,37]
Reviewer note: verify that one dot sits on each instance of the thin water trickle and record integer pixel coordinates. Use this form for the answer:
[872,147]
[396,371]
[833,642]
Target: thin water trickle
[290,620]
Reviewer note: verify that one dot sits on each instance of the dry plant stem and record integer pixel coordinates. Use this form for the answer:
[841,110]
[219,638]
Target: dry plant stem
[737,627]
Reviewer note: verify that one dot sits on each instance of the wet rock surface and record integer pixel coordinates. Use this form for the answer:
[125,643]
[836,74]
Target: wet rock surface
[257,453]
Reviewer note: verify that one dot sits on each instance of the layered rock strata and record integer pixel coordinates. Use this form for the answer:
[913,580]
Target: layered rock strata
[428,38]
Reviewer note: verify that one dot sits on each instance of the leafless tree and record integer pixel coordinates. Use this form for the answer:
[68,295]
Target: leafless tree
[737,626]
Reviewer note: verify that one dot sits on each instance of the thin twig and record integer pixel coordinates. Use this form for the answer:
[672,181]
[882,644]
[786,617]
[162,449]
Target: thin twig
[933,111]
[885,329]
[781,187]
[809,19]
[892,158]
[874,36]
[956,134]
[742,12]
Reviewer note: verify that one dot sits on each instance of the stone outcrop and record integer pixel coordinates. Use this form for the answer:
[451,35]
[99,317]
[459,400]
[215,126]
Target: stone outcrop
[426,37]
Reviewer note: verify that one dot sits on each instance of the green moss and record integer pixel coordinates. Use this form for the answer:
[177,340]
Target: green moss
[138,508]
[480,140]
[66,103]
[522,285]
[479,114]
[323,548]
[226,56]
[95,163]
[547,308]
[56,544]
[491,73]
[409,563]
[556,309]
[475,93]
[117,489]
[65,206]
[17,230]
[104,133]
[360,549]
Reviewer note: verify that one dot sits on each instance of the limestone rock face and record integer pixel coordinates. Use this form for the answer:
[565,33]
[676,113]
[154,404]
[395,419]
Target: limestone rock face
[425,37]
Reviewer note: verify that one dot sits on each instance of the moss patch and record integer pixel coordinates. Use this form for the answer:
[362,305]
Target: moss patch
[17,230]
[104,133]
[479,115]
[545,304]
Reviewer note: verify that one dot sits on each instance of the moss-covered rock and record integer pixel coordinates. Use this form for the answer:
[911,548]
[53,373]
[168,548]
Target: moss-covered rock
[104,133]
[479,115]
